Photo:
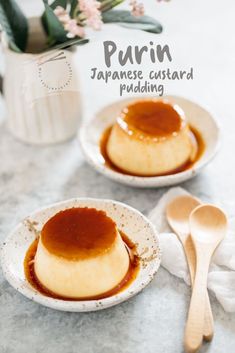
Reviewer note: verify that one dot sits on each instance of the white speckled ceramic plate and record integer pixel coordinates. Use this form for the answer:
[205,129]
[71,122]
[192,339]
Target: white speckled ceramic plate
[198,118]
[138,228]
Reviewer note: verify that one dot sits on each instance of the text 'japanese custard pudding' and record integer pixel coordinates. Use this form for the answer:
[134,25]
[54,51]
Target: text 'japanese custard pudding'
[150,137]
[80,254]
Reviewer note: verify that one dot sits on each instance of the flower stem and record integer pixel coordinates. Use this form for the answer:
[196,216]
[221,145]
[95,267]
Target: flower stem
[107,5]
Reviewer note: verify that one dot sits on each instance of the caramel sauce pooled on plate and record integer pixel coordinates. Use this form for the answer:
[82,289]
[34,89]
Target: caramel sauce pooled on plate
[67,237]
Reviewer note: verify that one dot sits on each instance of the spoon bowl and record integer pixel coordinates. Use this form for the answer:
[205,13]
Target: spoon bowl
[178,212]
[208,224]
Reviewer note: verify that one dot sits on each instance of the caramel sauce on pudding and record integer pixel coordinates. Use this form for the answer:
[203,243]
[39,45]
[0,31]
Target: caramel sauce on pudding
[154,118]
[126,281]
[79,233]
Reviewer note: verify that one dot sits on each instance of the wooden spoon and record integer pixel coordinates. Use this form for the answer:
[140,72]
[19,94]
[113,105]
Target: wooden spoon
[208,226]
[178,212]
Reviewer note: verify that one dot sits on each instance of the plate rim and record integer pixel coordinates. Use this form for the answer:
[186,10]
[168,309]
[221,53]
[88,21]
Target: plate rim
[154,181]
[82,305]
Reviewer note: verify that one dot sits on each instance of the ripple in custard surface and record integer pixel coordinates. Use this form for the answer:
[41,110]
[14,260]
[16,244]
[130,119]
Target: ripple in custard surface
[79,233]
[154,118]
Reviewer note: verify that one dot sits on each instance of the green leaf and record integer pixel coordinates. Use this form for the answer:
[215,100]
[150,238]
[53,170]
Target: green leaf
[53,26]
[15,24]
[68,43]
[126,19]
[62,3]
[74,4]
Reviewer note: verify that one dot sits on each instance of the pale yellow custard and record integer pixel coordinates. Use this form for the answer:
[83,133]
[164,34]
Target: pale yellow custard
[80,254]
[150,137]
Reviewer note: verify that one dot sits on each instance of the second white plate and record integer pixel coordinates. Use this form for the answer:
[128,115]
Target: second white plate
[138,228]
[199,118]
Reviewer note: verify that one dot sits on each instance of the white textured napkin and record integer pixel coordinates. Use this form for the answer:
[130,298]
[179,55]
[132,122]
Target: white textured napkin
[221,278]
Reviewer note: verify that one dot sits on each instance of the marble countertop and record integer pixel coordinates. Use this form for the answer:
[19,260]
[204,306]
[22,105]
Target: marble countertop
[31,177]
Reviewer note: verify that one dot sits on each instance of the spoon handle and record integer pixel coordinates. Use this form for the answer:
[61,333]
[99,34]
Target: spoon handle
[208,329]
[196,315]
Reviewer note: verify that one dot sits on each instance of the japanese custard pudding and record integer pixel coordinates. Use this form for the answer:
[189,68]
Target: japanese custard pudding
[150,138]
[80,254]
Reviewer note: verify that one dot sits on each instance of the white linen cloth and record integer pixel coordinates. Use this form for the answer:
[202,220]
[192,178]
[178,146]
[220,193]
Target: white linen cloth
[221,277]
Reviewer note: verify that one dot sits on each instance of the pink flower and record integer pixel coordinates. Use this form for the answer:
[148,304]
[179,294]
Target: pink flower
[59,10]
[73,29]
[90,10]
[137,8]
[64,18]
[69,24]
[62,14]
